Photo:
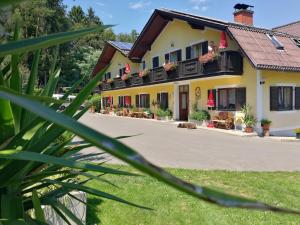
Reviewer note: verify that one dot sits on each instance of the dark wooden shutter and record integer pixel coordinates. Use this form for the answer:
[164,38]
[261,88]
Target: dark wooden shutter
[137,101]
[167,58]
[215,97]
[155,62]
[188,53]
[274,99]
[297,98]
[240,98]
[165,100]
[147,101]
[179,58]
[204,47]
[158,98]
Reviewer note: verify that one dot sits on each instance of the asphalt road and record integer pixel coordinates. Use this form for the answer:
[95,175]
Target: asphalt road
[168,146]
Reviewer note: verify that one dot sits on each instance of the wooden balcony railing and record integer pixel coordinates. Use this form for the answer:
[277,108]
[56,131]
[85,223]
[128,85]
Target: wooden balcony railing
[227,63]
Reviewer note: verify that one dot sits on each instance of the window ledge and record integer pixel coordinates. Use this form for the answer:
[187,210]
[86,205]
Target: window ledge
[285,111]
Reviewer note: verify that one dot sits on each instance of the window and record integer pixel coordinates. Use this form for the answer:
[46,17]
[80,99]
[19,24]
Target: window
[231,99]
[143,65]
[124,101]
[275,42]
[122,71]
[173,57]
[297,41]
[194,51]
[107,75]
[107,101]
[163,101]
[142,101]
[297,98]
[281,98]
[155,62]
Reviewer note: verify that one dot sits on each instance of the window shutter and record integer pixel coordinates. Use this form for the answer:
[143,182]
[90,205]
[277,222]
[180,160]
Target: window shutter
[165,100]
[274,99]
[137,101]
[204,47]
[240,98]
[215,97]
[155,62]
[188,53]
[158,98]
[167,58]
[147,101]
[297,98]
[179,58]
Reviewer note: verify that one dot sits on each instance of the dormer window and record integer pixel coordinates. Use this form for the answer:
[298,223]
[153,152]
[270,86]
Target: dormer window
[297,42]
[275,42]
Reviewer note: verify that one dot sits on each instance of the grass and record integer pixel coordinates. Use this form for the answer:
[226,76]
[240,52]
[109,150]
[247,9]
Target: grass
[172,207]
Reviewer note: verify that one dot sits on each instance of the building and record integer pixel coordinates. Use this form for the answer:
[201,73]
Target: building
[254,66]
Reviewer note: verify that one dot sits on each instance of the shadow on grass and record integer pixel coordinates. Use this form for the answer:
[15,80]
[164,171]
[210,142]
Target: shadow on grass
[93,209]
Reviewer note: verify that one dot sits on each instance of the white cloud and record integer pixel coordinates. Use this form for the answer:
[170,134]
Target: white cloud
[100,4]
[199,5]
[139,4]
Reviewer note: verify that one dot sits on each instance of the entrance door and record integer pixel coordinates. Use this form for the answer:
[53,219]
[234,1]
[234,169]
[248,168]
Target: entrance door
[183,102]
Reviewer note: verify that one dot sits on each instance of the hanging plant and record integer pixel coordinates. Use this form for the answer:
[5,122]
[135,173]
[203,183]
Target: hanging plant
[144,73]
[110,80]
[170,67]
[125,76]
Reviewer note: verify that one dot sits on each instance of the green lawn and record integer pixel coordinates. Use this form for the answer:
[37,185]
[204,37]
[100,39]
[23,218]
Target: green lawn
[172,207]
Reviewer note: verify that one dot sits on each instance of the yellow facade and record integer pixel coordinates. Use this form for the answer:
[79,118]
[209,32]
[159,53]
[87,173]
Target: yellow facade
[178,35]
[281,120]
[119,61]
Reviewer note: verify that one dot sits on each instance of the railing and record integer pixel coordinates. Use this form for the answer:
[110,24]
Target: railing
[228,62]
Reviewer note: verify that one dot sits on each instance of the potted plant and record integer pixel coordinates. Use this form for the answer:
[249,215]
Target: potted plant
[163,114]
[265,124]
[200,117]
[169,67]
[94,103]
[126,76]
[297,132]
[109,81]
[154,109]
[248,119]
[144,73]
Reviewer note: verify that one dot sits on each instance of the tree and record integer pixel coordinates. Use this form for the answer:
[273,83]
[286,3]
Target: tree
[125,37]
[77,15]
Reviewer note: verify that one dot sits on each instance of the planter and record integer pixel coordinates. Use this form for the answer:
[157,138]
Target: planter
[164,118]
[297,135]
[93,109]
[197,122]
[249,130]
[266,129]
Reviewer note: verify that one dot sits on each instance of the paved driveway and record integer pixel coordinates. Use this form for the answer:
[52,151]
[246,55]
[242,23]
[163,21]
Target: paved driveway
[166,145]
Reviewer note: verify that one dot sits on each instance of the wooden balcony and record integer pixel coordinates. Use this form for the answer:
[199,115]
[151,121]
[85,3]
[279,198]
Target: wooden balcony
[227,63]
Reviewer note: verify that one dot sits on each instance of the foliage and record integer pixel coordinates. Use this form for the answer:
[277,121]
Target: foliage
[248,119]
[265,122]
[200,115]
[163,113]
[297,131]
[170,67]
[144,73]
[95,101]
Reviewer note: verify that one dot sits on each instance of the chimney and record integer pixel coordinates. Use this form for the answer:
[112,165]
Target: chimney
[243,14]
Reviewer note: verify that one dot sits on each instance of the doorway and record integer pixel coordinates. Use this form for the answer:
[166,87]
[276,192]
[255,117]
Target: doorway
[183,102]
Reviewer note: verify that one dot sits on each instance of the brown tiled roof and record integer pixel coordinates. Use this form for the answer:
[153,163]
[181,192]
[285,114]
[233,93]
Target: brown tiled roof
[291,28]
[260,50]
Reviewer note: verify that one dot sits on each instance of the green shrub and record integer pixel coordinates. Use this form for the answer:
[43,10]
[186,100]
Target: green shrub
[164,113]
[200,115]
[95,101]
[265,122]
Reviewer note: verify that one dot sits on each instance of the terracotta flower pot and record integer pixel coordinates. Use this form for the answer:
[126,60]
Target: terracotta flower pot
[266,129]
[249,129]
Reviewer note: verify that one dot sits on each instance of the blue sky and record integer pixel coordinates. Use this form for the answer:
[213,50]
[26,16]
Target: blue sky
[133,14]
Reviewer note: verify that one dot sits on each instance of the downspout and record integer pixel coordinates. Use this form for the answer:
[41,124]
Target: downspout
[259,100]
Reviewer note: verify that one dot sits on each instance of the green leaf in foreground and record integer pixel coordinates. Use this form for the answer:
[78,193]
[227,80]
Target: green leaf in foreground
[128,155]
[26,45]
